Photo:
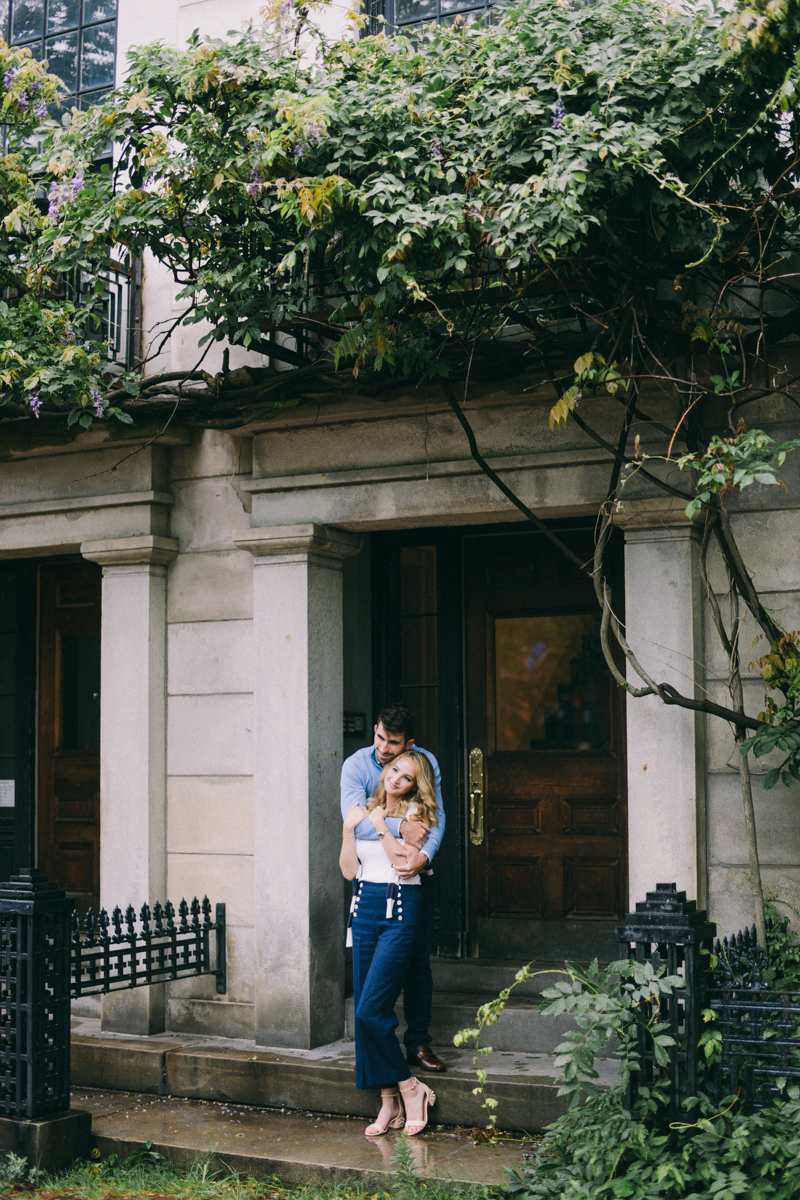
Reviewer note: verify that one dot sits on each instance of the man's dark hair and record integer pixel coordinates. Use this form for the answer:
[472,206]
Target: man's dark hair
[396,718]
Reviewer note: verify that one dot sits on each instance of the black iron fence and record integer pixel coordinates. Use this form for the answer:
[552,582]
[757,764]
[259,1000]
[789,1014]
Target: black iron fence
[104,957]
[726,991]
[47,957]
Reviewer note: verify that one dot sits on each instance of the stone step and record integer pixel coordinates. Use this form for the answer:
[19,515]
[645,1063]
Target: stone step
[492,975]
[519,1026]
[320,1080]
[297,1146]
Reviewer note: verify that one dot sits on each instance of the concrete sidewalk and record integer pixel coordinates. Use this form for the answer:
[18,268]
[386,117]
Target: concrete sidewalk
[297,1146]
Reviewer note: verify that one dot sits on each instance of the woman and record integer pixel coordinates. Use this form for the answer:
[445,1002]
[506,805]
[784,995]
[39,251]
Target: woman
[384,921]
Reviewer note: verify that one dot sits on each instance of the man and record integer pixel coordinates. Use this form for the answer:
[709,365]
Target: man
[394,733]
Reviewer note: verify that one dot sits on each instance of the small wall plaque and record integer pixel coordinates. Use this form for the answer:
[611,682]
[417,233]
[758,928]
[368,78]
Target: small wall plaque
[355,724]
[6,793]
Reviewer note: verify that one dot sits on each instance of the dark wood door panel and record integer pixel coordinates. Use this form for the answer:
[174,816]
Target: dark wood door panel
[591,888]
[69,729]
[523,776]
[549,723]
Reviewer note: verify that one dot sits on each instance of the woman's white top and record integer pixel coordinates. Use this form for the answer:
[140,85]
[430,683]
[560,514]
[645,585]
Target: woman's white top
[376,866]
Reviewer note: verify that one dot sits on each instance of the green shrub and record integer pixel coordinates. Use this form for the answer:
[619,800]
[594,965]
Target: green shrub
[598,1150]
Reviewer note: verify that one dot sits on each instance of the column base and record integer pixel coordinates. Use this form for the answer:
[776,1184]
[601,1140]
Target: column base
[52,1143]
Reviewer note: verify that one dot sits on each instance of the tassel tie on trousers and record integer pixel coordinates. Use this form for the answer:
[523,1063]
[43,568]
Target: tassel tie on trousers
[394,895]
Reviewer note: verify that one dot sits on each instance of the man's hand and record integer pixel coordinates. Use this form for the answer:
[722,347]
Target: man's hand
[414,833]
[414,863]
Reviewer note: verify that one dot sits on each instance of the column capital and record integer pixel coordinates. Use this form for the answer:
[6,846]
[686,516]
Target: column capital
[117,552]
[655,515]
[298,542]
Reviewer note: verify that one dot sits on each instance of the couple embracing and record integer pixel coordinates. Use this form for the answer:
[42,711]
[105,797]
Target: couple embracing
[393,826]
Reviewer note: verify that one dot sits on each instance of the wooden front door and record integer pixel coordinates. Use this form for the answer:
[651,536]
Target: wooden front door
[69,729]
[545,773]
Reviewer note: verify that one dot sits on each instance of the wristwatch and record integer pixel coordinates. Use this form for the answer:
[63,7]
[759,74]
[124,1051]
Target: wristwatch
[381,835]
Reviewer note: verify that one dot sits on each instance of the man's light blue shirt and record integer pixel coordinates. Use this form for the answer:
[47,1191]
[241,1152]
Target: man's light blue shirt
[360,775]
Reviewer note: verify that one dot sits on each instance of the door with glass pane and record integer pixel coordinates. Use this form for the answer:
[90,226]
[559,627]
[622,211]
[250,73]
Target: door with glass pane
[69,729]
[545,769]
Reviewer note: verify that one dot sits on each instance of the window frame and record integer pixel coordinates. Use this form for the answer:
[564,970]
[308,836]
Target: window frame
[80,97]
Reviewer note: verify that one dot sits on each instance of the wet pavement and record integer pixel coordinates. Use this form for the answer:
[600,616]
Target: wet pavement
[297,1146]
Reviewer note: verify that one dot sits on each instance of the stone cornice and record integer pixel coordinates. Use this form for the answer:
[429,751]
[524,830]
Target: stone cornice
[127,551]
[32,508]
[298,541]
[410,472]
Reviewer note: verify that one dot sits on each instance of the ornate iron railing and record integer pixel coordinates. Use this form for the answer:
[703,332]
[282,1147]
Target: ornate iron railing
[105,958]
[759,1026]
[47,957]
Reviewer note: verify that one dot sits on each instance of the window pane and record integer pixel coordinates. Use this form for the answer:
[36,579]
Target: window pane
[97,59]
[98,10]
[63,14]
[62,56]
[80,691]
[552,684]
[414,10]
[90,98]
[4,19]
[27,19]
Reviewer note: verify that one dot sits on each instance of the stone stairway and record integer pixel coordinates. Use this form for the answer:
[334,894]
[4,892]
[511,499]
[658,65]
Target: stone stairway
[521,1068]
[462,986]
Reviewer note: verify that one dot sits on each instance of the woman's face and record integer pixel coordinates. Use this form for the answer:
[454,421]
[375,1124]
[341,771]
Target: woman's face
[400,778]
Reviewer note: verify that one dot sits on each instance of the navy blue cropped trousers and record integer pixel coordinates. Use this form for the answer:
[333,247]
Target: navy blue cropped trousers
[382,952]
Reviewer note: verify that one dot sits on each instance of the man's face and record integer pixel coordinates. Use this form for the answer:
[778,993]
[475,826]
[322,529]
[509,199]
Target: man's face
[389,745]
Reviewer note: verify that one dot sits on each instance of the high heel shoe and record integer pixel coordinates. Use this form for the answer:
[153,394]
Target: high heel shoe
[412,1128]
[375,1130]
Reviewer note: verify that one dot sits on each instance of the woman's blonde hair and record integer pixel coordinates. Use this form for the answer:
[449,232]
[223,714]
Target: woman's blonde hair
[423,793]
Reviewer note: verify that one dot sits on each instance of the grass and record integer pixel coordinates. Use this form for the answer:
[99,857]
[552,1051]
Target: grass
[148,1176]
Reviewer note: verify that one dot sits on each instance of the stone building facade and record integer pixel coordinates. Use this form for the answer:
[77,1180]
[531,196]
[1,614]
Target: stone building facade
[244,602]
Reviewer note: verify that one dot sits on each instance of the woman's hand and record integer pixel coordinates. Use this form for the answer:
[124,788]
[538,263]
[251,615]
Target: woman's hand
[378,817]
[354,817]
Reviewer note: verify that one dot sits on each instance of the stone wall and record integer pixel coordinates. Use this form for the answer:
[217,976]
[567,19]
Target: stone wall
[210,657]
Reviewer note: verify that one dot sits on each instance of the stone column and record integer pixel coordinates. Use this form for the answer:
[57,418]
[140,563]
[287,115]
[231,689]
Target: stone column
[666,744]
[133,847]
[299,927]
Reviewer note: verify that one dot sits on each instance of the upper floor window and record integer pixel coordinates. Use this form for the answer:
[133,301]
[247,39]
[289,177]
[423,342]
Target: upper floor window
[77,37]
[400,14]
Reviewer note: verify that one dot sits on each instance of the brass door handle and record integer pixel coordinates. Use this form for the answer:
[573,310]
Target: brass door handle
[476,796]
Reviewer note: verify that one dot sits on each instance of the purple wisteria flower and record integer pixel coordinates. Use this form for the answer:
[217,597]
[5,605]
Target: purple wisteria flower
[76,185]
[437,154]
[69,334]
[35,403]
[35,87]
[557,119]
[10,76]
[300,149]
[253,188]
[314,133]
[97,401]
[54,207]
[22,101]
[41,109]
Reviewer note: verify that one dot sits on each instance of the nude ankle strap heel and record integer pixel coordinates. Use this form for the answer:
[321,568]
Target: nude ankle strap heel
[412,1128]
[376,1130]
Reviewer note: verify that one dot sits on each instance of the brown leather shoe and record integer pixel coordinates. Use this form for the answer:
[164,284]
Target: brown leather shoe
[424,1057]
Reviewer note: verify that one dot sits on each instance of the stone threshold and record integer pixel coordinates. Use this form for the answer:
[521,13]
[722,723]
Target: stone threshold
[236,1071]
[296,1146]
